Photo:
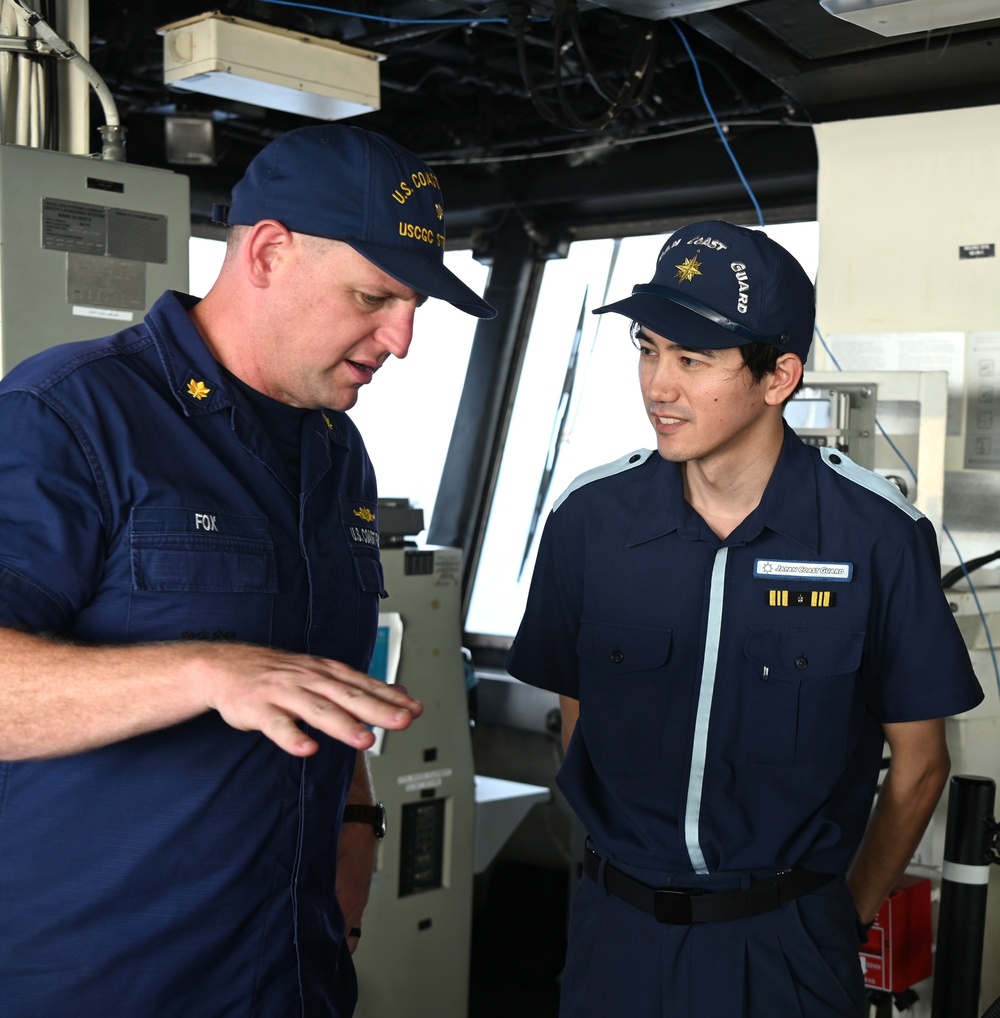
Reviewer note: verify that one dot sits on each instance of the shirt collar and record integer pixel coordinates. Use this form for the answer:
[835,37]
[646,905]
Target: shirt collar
[789,506]
[195,377]
[660,507]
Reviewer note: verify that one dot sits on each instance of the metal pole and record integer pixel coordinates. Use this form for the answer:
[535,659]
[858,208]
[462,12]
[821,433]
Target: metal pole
[964,884]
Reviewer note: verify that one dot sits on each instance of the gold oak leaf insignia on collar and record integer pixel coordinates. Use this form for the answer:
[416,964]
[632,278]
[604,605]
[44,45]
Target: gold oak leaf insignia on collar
[199,390]
[688,269]
[365,513]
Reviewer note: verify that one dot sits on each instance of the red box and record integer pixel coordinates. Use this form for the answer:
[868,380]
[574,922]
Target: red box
[897,953]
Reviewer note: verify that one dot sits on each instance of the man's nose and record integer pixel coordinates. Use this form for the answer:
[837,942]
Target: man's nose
[397,333]
[661,386]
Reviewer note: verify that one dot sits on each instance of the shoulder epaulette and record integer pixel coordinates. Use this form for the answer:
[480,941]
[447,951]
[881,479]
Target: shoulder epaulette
[627,462]
[875,483]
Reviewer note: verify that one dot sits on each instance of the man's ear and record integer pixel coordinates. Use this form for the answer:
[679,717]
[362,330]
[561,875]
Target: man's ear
[784,380]
[265,243]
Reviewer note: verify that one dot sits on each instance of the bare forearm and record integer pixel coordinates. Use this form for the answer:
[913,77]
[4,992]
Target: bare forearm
[902,811]
[58,698]
[570,710]
[361,790]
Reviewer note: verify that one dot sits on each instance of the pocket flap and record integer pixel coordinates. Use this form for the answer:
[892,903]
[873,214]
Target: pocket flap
[623,647]
[805,653]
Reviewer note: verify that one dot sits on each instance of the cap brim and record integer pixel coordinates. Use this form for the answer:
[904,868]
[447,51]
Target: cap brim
[427,276]
[674,322]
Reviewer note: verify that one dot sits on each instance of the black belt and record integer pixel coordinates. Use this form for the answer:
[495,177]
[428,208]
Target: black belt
[682,906]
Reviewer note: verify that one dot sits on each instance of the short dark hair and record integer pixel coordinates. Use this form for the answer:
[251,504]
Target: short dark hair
[760,359]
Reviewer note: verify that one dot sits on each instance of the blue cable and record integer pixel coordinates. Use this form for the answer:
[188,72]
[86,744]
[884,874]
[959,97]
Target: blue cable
[718,126]
[393,21]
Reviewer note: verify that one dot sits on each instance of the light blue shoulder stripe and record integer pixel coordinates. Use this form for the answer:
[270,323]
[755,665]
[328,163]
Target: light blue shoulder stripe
[875,483]
[627,462]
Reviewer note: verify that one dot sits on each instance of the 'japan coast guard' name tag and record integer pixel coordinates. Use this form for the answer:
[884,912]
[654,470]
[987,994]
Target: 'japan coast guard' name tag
[789,569]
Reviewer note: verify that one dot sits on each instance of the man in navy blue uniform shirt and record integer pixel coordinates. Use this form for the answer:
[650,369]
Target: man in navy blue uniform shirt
[189,591]
[736,625]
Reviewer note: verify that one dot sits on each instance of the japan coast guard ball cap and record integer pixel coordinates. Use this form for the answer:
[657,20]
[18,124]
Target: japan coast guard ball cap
[717,285]
[359,187]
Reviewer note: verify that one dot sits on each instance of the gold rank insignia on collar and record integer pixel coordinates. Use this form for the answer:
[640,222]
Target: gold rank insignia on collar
[801,598]
[198,390]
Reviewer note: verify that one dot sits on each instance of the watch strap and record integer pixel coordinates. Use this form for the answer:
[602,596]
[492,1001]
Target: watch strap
[359,813]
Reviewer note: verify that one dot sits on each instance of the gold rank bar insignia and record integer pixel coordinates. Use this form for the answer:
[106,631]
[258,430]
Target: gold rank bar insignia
[801,598]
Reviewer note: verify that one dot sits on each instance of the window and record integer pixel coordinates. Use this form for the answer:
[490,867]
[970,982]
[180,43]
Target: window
[407,413]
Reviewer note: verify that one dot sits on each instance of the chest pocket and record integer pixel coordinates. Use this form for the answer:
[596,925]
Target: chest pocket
[359,520]
[201,575]
[800,695]
[624,692]
[179,549]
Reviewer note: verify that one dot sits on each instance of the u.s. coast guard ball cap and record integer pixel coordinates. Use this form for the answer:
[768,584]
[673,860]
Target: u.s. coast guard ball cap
[718,285]
[359,187]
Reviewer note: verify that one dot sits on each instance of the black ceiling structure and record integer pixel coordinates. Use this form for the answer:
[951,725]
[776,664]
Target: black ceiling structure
[572,115]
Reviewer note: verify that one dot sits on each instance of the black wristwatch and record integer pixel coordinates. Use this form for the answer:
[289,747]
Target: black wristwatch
[357,813]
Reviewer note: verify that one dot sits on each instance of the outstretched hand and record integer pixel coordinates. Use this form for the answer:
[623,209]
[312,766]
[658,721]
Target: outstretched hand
[270,691]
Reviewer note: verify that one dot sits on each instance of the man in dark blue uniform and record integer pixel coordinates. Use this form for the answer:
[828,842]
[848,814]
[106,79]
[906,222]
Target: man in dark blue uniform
[736,625]
[189,592]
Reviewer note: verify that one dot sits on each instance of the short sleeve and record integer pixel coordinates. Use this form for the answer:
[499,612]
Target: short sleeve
[921,668]
[52,539]
[544,650]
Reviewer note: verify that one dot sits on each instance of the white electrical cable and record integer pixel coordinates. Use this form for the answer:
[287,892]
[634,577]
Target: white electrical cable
[112,133]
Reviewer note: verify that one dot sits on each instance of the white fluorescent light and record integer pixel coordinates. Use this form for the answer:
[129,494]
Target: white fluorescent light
[233,58]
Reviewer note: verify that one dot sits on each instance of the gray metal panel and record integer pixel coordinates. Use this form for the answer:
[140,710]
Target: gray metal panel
[86,246]
[414,958]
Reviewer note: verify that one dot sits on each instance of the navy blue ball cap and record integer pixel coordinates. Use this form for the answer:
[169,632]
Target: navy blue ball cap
[359,187]
[718,285]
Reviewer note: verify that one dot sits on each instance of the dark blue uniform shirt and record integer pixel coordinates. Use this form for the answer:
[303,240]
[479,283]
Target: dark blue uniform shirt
[732,692]
[189,871]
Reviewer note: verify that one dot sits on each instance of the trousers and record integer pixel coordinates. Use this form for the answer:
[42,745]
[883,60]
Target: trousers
[799,961]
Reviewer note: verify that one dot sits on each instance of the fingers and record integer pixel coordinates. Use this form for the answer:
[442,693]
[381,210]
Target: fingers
[273,692]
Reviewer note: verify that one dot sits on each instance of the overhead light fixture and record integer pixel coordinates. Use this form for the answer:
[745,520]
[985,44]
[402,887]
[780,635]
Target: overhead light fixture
[232,58]
[902,17]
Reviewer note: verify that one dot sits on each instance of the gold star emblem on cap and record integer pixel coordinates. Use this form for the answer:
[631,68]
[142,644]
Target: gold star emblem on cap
[439,210]
[688,269]
[199,390]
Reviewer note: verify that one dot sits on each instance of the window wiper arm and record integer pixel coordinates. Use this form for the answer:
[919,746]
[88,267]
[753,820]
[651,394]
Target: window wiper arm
[556,438]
